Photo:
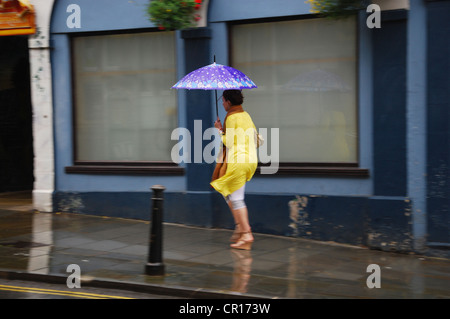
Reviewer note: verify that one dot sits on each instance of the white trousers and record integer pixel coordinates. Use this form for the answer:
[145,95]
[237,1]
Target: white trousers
[237,198]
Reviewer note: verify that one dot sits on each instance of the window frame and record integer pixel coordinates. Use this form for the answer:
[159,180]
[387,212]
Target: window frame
[168,168]
[333,169]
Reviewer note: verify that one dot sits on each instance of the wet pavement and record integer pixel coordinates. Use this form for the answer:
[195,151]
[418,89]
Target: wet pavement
[113,252]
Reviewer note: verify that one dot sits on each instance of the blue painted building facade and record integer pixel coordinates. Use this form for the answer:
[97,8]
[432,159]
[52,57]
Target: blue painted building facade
[393,195]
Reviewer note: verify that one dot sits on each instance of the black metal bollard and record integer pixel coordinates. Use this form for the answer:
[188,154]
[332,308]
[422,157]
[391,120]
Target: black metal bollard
[155,265]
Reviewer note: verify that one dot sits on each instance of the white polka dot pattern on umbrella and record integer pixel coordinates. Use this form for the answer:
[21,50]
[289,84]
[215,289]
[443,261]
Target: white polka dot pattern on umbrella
[215,77]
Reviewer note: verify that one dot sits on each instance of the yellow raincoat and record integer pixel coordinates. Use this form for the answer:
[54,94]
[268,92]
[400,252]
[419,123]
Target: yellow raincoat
[238,163]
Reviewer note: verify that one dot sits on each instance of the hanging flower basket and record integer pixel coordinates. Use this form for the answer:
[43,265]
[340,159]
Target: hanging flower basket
[174,14]
[337,8]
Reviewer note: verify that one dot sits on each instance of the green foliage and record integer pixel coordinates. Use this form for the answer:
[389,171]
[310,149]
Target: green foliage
[174,14]
[337,8]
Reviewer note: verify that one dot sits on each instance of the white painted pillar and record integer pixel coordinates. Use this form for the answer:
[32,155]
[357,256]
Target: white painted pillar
[42,106]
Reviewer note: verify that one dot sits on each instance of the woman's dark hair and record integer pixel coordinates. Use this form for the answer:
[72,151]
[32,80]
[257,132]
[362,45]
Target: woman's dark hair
[234,96]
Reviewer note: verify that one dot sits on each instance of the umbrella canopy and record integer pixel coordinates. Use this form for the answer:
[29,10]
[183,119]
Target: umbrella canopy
[215,77]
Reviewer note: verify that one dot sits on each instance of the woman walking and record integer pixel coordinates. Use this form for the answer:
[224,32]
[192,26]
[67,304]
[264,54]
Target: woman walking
[238,164]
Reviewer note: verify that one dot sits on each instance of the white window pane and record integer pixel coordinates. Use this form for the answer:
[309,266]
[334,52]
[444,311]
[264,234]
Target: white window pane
[125,110]
[306,76]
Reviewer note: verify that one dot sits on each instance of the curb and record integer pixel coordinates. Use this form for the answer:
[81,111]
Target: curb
[175,291]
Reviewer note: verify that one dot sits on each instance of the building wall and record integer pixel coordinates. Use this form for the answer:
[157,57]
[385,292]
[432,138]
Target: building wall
[438,125]
[131,16]
[376,210]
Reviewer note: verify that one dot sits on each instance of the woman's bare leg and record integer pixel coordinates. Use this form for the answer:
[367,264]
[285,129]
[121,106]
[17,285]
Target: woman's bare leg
[237,228]
[241,217]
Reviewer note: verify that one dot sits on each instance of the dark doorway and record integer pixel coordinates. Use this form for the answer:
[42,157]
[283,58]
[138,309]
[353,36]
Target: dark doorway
[16,137]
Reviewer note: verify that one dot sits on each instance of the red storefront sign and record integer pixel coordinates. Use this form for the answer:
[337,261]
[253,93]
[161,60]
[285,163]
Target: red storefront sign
[17,17]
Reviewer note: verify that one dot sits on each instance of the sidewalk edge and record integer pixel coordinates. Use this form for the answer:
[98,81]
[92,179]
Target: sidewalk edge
[175,291]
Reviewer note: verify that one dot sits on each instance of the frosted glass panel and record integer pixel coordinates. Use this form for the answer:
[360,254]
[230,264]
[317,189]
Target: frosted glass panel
[305,71]
[125,110]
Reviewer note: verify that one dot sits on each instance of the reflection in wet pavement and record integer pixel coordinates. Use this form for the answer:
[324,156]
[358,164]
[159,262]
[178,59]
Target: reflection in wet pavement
[200,259]
[42,234]
[242,261]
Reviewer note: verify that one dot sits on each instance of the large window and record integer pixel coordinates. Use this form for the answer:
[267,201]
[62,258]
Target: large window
[306,72]
[124,108]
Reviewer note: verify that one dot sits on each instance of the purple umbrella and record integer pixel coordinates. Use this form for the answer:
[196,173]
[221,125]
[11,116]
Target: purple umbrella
[215,77]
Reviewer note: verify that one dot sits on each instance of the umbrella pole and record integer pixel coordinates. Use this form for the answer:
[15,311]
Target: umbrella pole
[215,91]
[217,108]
